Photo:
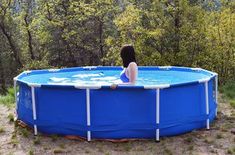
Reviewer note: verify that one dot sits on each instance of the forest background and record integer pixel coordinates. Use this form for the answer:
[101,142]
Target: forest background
[37,34]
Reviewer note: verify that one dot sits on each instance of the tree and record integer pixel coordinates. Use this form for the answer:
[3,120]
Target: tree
[6,28]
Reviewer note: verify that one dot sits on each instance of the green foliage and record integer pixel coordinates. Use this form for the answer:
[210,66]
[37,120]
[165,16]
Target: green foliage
[8,99]
[177,33]
[229,91]
[10,118]
[36,64]
[37,140]
[232,102]
[57,33]
[2,130]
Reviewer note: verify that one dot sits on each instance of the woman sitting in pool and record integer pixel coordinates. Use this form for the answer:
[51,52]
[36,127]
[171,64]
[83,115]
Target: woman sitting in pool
[130,70]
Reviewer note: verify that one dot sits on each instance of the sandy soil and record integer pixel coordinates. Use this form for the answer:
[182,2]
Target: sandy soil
[220,139]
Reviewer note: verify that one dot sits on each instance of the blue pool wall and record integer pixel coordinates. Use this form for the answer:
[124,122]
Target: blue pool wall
[126,112]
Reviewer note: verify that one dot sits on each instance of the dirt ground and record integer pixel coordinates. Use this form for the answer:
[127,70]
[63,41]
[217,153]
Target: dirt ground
[220,139]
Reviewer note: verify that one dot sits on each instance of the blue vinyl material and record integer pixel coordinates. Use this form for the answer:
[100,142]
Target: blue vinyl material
[125,112]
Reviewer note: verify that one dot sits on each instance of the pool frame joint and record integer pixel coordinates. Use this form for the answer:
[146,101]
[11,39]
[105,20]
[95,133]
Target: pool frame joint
[89,67]
[53,70]
[34,85]
[204,80]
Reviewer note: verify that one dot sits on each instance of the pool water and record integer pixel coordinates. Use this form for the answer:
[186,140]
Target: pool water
[108,77]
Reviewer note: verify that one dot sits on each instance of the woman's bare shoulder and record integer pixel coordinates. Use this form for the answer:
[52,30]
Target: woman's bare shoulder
[132,64]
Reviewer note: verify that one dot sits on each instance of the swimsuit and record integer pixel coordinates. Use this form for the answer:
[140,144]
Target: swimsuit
[123,76]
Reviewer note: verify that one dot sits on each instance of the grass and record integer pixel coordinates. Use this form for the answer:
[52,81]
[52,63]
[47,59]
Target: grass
[10,118]
[229,91]
[168,151]
[37,140]
[8,99]
[100,149]
[231,151]
[14,140]
[190,147]
[188,139]
[232,102]
[219,136]
[87,151]
[2,130]
[58,150]
[62,146]
[54,138]
[30,152]
[224,130]
[209,140]
[127,147]
[213,151]
[25,133]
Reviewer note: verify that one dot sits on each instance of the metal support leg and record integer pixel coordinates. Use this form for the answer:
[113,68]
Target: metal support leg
[157,113]
[207,106]
[34,110]
[216,94]
[88,113]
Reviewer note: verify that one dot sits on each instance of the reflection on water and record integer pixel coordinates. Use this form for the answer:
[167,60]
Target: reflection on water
[92,79]
[56,79]
[87,75]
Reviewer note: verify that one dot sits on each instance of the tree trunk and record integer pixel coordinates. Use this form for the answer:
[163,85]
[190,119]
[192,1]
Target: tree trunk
[30,46]
[177,27]
[101,39]
[12,45]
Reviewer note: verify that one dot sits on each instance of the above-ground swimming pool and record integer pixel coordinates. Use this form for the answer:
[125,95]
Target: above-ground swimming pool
[79,101]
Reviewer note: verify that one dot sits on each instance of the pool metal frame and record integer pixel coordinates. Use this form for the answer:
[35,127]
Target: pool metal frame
[158,89]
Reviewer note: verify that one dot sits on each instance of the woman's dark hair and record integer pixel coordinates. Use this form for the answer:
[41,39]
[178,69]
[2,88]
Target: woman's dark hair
[127,55]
